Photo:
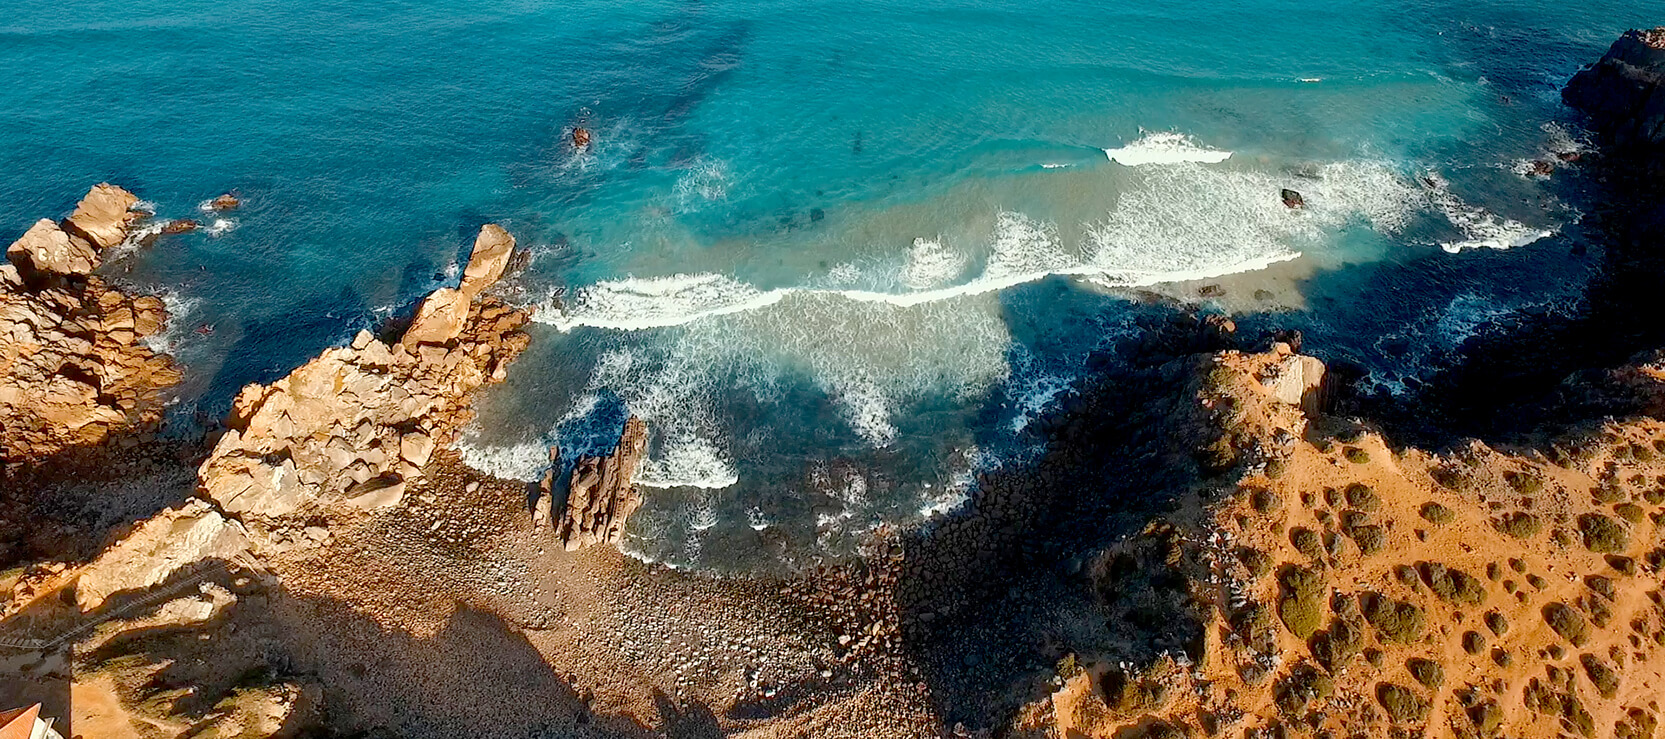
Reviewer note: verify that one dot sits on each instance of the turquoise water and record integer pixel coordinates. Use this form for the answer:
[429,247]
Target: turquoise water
[811,241]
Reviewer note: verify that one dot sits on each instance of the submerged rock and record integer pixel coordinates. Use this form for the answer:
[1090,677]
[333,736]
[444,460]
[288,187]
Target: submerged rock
[602,494]
[358,423]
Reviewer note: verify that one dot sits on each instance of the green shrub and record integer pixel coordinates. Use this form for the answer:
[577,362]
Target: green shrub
[1608,493]
[1363,498]
[1519,525]
[1473,642]
[1487,717]
[1566,622]
[1602,534]
[1302,605]
[1265,501]
[1340,643]
[1396,621]
[1426,671]
[1275,468]
[1654,496]
[1497,623]
[1452,585]
[1602,586]
[1448,478]
[1370,539]
[1604,678]
[1356,455]
[1437,514]
[1523,483]
[1629,512]
[1255,560]
[1306,541]
[1126,693]
[1403,705]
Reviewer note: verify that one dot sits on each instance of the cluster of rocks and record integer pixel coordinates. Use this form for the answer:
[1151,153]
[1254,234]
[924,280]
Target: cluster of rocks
[73,368]
[357,424]
[600,496]
[1624,93]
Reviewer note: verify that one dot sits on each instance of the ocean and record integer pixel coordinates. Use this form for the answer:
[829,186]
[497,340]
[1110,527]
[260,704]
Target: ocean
[837,255]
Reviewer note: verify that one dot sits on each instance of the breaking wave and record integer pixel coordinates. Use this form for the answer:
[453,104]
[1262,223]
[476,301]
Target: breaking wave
[1165,148]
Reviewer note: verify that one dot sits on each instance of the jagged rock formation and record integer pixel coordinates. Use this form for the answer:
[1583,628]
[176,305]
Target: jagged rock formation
[358,423]
[159,547]
[1624,93]
[73,369]
[601,496]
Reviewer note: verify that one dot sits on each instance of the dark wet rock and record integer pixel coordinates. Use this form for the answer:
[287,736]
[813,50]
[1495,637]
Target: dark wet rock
[1541,168]
[1624,93]
[580,138]
[181,226]
[1293,199]
[1211,291]
[226,202]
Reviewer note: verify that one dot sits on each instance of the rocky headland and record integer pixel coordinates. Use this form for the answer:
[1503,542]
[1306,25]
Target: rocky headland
[1220,538]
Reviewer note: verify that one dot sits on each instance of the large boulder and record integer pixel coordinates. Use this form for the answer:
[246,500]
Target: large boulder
[1624,93]
[440,318]
[46,248]
[493,249]
[104,215]
[157,549]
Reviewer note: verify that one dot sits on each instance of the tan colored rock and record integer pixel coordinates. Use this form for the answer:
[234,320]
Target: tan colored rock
[355,426]
[160,547]
[493,249]
[1299,382]
[103,216]
[440,319]
[602,494]
[47,248]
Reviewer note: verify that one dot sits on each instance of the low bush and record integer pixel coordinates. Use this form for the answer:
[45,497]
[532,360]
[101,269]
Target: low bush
[1402,704]
[1437,514]
[1306,542]
[1602,534]
[1302,605]
[1519,525]
[1563,620]
[1426,671]
[1363,498]
[1356,455]
[1497,623]
[1603,678]
[1397,621]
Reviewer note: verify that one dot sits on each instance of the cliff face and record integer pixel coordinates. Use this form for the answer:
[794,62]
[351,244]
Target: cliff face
[1349,587]
[358,423]
[1624,93]
[72,368]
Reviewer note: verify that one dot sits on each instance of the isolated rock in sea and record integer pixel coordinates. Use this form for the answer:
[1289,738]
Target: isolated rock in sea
[1624,93]
[72,366]
[158,548]
[1292,199]
[181,226]
[493,249]
[580,138]
[602,494]
[357,424]
[104,215]
[225,202]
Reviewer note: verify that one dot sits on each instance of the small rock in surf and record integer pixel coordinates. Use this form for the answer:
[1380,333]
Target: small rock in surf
[1293,200]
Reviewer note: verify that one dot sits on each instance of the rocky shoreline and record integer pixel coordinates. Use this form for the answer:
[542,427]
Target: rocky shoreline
[1218,541]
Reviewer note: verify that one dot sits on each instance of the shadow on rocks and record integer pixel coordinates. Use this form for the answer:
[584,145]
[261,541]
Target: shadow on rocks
[993,597]
[475,676]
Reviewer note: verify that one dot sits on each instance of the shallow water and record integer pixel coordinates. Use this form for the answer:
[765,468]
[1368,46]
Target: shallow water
[837,255]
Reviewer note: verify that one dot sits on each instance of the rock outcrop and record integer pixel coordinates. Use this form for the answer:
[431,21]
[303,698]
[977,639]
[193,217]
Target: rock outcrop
[160,547]
[601,495]
[72,366]
[358,423]
[1624,93]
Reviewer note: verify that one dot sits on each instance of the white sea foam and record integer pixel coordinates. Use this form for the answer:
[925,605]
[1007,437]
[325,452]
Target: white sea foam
[930,264]
[1165,147]
[1482,229]
[695,463]
[179,308]
[705,182]
[525,461]
[632,304]
[220,226]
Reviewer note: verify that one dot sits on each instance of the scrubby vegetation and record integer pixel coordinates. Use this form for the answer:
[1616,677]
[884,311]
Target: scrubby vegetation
[1452,585]
[1437,514]
[1604,678]
[1602,534]
[1402,704]
[1356,455]
[1519,525]
[1397,621]
[1363,497]
[1566,622]
[1302,606]
[1426,671]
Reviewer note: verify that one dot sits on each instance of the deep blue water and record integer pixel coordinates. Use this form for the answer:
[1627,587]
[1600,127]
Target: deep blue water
[808,242]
